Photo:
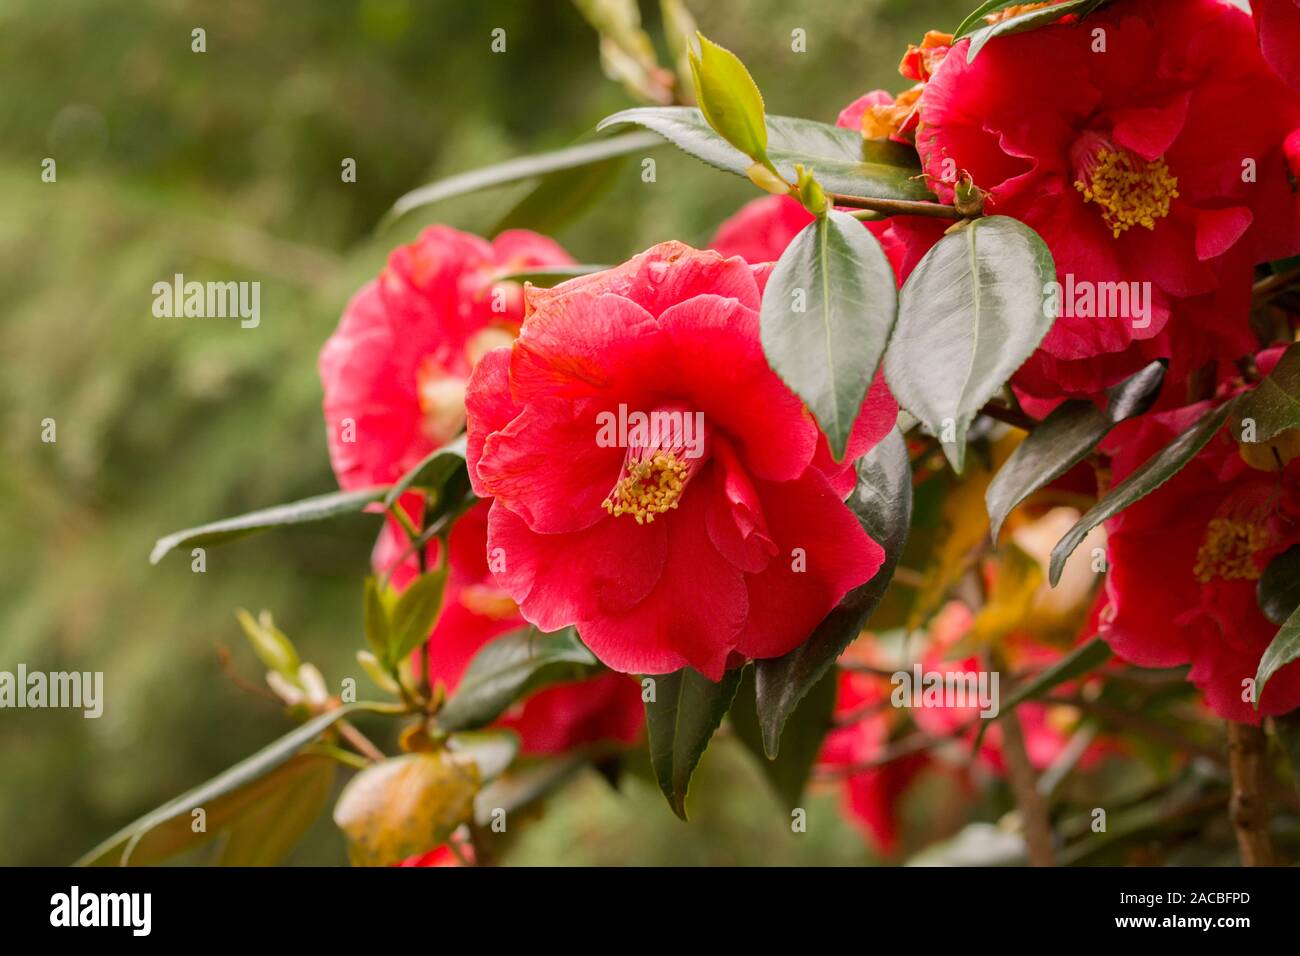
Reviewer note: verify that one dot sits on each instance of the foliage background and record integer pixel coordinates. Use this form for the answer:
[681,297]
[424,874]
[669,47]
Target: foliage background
[225,166]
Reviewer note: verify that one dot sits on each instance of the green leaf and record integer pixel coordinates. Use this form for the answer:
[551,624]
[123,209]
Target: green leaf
[680,721]
[1084,659]
[1031,20]
[415,613]
[251,770]
[527,167]
[1278,590]
[968,316]
[549,278]
[507,669]
[1064,438]
[1153,473]
[826,316]
[318,508]
[882,501]
[729,98]
[976,16]
[1274,404]
[433,471]
[561,197]
[1282,650]
[802,739]
[269,643]
[844,161]
[268,833]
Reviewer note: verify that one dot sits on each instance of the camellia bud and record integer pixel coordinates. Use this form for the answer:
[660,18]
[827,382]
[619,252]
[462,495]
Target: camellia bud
[811,193]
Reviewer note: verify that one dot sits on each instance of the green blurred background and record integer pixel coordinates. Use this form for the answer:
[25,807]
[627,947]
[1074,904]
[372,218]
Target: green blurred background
[225,165]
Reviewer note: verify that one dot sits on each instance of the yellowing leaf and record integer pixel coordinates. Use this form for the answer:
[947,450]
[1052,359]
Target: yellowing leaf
[1011,597]
[405,805]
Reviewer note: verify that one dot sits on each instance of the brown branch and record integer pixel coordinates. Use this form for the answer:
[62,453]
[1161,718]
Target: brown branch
[1024,786]
[1248,808]
[1009,416]
[1265,289]
[896,207]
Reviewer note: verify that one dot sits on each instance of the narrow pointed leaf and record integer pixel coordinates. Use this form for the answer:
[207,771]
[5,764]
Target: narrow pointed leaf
[680,722]
[844,162]
[1030,20]
[1064,438]
[1153,473]
[968,316]
[319,508]
[882,501]
[415,613]
[514,170]
[826,316]
[266,834]
[801,740]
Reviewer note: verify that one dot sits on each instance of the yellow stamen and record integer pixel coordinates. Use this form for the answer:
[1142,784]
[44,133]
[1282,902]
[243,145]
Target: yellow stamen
[1130,191]
[650,486]
[1228,551]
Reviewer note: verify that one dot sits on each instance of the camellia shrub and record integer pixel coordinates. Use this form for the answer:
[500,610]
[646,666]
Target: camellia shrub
[966,454]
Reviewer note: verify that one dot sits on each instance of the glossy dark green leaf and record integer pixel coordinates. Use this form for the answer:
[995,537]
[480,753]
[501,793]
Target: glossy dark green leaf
[1064,438]
[969,315]
[844,162]
[507,669]
[1278,590]
[1274,404]
[826,316]
[267,833]
[415,613]
[432,472]
[882,501]
[1029,20]
[801,740]
[319,508]
[514,170]
[1153,473]
[680,722]
[1282,650]
[121,845]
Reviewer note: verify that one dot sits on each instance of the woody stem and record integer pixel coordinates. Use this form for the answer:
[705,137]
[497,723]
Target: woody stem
[1024,786]
[1248,810]
[896,207]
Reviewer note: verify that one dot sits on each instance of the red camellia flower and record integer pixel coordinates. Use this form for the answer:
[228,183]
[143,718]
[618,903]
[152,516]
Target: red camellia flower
[653,480]
[394,375]
[1145,145]
[1186,559]
[394,371]
[1278,23]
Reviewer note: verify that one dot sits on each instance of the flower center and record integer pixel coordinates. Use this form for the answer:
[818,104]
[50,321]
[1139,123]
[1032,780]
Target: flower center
[665,449]
[1130,191]
[1228,551]
[442,403]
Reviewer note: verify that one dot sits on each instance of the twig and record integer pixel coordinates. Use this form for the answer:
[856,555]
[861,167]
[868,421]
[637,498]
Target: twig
[1248,809]
[1024,786]
[1265,289]
[896,207]
[1008,415]
[228,666]
[360,741]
